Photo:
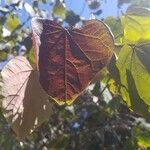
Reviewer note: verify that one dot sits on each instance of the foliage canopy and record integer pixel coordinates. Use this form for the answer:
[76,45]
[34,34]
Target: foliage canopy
[112,113]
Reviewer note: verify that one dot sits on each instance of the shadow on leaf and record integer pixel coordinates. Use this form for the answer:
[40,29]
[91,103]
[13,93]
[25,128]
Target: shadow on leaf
[137,103]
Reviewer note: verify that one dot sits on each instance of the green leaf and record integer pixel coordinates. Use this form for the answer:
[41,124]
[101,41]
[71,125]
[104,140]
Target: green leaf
[113,70]
[61,143]
[12,22]
[114,104]
[137,103]
[143,53]
[138,11]
[59,10]
[116,28]
[135,79]
[31,58]
[96,89]
[3,55]
[142,137]
[136,25]
[130,144]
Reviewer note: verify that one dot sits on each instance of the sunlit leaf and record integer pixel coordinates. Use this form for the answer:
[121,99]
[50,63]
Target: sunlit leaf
[59,10]
[142,137]
[138,11]
[143,53]
[113,70]
[136,25]
[135,79]
[69,59]
[116,28]
[25,104]
[12,22]
[137,103]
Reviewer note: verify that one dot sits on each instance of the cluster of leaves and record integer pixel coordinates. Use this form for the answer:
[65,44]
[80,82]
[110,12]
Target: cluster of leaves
[109,116]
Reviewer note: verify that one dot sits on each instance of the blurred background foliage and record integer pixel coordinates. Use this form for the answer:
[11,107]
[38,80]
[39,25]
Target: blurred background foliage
[113,113]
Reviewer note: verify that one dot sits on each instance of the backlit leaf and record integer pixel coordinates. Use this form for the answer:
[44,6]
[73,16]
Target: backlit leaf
[138,11]
[25,104]
[133,62]
[31,58]
[116,28]
[135,79]
[59,10]
[142,137]
[137,103]
[136,25]
[12,22]
[69,59]
[143,53]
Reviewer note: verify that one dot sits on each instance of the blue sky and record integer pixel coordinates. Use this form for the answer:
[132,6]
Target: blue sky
[109,8]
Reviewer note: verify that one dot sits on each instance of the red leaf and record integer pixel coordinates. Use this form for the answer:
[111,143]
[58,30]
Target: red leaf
[70,58]
[25,104]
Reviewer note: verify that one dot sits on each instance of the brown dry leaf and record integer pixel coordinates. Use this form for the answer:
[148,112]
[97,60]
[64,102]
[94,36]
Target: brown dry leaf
[25,104]
[69,59]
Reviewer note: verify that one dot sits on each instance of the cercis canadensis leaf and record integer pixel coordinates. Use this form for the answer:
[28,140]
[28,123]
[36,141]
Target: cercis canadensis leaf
[69,59]
[136,17]
[25,104]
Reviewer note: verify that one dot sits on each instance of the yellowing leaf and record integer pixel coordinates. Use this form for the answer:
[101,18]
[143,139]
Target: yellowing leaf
[12,22]
[25,105]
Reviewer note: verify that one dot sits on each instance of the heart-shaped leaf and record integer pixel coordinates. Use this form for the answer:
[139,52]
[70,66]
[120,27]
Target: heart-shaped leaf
[25,104]
[69,59]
